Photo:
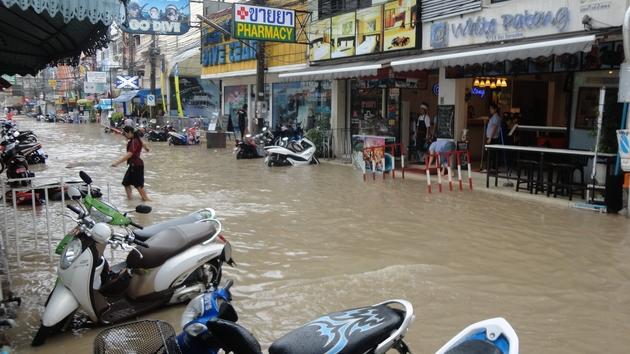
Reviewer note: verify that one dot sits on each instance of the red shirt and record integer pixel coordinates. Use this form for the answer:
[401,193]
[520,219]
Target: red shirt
[135,147]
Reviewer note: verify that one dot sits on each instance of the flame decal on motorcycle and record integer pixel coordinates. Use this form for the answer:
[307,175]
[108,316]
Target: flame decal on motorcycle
[338,327]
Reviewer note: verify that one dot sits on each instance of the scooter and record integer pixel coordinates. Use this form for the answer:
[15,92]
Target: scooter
[157,134]
[15,165]
[296,153]
[209,323]
[175,138]
[170,268]
[102,211]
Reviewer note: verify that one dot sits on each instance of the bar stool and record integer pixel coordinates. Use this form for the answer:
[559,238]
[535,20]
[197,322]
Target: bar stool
[565,180]
[529,167]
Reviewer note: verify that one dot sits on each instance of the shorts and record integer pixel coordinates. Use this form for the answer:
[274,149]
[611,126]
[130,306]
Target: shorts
[134,176]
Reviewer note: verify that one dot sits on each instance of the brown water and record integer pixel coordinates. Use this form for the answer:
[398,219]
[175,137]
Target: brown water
[312,240]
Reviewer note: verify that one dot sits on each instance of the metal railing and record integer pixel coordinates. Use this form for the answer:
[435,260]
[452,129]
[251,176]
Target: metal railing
[26,222]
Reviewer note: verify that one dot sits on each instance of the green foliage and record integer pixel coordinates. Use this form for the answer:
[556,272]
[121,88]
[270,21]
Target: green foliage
[316,135]
[116,116]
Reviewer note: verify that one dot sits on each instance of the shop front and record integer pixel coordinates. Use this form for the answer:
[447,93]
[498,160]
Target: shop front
[535,61]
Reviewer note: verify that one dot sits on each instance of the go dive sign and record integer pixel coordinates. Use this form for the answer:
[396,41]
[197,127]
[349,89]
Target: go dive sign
[263,23]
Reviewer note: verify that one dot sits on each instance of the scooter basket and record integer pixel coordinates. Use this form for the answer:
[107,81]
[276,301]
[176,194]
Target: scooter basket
[141,337]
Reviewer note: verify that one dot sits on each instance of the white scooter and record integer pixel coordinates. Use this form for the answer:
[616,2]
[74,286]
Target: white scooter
[296,153]
[172,267]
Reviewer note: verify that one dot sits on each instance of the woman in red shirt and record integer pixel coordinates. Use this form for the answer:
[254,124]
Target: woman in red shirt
[135,172]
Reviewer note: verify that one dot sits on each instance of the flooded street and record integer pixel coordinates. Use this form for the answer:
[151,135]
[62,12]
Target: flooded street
[318,239]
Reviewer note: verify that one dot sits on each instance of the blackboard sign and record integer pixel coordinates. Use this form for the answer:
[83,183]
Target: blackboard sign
[445,122]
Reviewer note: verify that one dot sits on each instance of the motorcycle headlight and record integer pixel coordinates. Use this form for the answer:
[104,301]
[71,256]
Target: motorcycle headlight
[70,253]
[195,329]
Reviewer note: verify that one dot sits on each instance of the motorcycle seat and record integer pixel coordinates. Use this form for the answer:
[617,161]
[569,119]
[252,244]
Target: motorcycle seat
[347,332]
[168,243]
[26,146]
[153,230]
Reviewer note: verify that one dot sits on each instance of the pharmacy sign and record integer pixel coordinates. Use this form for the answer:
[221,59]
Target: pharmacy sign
[263,23]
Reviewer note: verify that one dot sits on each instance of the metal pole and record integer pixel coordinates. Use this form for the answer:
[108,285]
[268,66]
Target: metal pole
[153,54]
[260,107]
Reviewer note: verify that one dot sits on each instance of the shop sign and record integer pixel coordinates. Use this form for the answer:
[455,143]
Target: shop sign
[624,148]
[97,77]
[164,17]
[520,20]
[263,23]
[476,91]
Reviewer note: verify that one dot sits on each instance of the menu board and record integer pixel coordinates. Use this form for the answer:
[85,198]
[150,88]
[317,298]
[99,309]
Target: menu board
[343,36]
[319,46]
[445,122]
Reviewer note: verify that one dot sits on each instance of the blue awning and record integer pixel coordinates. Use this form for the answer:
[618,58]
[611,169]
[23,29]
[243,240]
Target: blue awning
[126,96]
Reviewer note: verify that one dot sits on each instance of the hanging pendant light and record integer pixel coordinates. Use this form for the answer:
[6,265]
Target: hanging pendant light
[476,83]
[504,83]
[488,83]
[493,85]
[482,84]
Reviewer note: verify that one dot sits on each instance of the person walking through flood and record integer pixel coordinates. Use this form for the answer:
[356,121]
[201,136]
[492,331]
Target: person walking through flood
[135,170]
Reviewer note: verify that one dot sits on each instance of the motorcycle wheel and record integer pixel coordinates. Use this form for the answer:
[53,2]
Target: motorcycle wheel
[239,154]
[37,159]
[1,166]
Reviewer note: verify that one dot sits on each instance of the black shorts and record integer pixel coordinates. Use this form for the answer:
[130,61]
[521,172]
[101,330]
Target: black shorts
[134,176]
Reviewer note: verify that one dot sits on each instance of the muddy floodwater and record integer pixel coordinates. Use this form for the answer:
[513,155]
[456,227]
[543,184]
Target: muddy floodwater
[317,239]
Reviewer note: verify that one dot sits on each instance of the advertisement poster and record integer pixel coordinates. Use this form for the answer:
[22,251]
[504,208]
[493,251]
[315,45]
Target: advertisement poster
[200,98]
[235,98]
[264,23]
[370,30]
[400,25]
[164,17]
[624,149]
[343,35]
[319,47]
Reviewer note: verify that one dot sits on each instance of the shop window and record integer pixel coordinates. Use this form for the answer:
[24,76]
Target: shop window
[307,103]
[328,8]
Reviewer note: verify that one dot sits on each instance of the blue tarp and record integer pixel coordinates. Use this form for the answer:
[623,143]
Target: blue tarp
[104,104]
[126,96]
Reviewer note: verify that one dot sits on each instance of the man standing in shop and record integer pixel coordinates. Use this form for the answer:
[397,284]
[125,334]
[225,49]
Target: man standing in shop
[241,114]
[424,126]
[494,125]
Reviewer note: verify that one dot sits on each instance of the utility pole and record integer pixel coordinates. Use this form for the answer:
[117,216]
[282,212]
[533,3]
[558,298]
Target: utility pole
[153,52]
[260,106]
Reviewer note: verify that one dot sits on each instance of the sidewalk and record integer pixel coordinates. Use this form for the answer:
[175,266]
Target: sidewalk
[479,184]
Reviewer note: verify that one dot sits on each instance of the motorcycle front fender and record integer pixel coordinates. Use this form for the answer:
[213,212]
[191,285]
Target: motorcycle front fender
[61,303]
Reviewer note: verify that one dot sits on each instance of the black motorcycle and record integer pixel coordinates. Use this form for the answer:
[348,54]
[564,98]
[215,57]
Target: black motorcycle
[15,165]
[158,134]
[254,147]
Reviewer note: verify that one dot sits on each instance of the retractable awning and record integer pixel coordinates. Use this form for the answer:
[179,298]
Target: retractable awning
[340,71]
[36,33]
[494,53]
[126,96]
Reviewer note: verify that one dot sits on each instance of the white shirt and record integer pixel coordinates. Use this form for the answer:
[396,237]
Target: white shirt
[426,119]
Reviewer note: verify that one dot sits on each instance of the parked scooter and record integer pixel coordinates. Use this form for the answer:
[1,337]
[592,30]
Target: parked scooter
[171,267]
[15,164]
[186,137]
[209,323]
[295,153]
[254,147]
[158,134]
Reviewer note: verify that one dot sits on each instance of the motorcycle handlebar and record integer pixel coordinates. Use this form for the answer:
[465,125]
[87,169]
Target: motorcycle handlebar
[140,243]
[74,209]
[136,225]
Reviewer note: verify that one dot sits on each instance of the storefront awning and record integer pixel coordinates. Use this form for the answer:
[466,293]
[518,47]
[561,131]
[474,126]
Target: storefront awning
[333,72]
[126,96]
[38,33]
[496,53]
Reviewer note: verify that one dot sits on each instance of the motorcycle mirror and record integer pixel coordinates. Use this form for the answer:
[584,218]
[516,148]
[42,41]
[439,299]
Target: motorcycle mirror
[74,193]
[85,178]
[143,209]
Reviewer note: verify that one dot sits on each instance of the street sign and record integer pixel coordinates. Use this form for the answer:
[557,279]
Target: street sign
[127,82]
[263,23]
[97,77]
[151,100]
[92,87]
[164,17]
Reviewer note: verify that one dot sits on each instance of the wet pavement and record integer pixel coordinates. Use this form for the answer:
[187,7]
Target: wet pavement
[317,239]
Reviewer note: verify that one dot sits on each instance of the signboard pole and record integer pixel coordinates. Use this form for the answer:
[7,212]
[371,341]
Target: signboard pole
[153,53]
[260,81]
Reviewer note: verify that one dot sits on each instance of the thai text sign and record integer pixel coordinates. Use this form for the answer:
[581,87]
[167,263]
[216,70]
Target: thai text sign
[170,17]
[263,23]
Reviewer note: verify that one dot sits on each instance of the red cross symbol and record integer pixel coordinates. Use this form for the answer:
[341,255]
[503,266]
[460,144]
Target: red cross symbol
[242,13]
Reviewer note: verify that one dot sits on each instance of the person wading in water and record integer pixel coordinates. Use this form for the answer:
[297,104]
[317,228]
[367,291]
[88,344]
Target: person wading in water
[135,170]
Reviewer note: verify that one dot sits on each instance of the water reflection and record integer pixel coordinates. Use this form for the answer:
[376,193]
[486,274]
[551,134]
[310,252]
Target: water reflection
[317,239]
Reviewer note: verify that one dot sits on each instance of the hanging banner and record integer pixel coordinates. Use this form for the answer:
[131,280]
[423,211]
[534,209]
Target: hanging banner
[180,111]
[164,17]
[263,23]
